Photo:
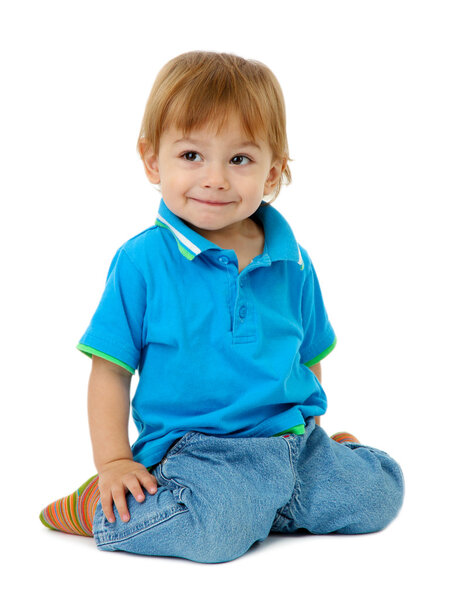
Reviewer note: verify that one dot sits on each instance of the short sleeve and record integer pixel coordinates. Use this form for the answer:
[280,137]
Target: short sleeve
[319,337]
[115,331]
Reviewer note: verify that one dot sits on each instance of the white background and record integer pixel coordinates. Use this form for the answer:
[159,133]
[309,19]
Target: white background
[371,95]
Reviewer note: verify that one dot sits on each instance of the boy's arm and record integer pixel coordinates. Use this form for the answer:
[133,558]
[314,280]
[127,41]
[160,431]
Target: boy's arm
[109,409]
[316,370]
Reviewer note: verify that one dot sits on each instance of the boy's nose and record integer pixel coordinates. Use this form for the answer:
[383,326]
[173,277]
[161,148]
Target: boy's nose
[215,177]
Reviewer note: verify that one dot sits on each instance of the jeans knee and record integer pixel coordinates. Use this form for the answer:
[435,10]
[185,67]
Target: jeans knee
[381,500]
[208,552]
[394,491]
[220,540]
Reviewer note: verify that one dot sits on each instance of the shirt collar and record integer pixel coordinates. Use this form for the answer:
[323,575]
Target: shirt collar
[280,242]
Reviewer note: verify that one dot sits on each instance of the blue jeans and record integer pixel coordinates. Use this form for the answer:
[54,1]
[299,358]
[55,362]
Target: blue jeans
[219,495]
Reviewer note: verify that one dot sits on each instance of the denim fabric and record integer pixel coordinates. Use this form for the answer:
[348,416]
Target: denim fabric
[219,495]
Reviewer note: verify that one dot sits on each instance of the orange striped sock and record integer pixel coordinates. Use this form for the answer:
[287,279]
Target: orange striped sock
[74,513]
[343,436]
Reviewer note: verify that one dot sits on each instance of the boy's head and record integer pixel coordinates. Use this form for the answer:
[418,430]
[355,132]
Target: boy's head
[207,89]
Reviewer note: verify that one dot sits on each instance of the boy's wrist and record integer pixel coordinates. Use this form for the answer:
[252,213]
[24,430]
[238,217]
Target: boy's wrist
[104,463]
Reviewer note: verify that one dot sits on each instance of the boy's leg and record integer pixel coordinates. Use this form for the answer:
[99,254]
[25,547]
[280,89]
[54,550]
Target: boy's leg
[340,487]
[216,497]
[343,436]
[74,513]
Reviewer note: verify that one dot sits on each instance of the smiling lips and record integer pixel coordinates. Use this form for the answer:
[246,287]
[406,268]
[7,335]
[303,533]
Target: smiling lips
[210,202]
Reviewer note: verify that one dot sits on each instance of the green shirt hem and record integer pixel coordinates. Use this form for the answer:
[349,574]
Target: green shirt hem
[88,351]
[322,355]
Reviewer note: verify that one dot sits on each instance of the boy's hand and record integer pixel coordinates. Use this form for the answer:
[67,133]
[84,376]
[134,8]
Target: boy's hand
[119,476]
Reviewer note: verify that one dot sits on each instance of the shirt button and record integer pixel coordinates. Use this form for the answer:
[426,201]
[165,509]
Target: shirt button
[224,260]
[241,282]
[242,312]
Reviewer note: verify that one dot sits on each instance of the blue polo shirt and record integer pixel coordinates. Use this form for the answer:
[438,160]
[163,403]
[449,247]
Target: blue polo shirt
[217,351]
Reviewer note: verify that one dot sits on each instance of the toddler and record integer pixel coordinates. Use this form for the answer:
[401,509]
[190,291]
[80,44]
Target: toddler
[219,309]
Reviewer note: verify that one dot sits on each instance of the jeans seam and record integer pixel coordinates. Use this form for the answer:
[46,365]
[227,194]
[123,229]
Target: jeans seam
[280,521]
[179,486]
[296,482]
[290,456]
[106,539]
[181,444]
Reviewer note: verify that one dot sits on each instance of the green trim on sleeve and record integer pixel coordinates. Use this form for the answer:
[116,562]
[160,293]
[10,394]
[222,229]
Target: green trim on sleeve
[322,355]
[91,351]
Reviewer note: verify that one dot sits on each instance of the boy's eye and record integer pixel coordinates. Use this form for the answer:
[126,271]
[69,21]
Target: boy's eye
[237,160]
[191,156]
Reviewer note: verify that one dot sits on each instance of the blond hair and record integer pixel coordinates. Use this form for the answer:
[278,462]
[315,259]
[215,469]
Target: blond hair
[199,87]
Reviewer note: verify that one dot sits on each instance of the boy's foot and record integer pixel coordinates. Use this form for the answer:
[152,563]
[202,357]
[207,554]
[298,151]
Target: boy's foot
[343,436]
[74,513]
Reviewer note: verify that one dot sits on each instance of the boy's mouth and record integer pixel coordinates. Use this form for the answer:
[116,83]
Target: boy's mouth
[210,202]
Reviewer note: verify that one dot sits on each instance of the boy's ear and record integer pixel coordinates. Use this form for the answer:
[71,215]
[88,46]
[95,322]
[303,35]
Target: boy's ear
[150,161]
[274,175]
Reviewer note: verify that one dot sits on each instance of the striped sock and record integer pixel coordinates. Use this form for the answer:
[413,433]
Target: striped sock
[343,436]
[74,513]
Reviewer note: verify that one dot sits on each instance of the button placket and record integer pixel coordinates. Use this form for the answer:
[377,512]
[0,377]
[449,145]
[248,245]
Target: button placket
[244,317]
[240,303]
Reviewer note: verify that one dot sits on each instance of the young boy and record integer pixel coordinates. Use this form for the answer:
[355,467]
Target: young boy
[220,310]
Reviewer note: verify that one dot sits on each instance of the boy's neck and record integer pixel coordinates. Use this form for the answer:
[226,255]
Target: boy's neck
[231,238]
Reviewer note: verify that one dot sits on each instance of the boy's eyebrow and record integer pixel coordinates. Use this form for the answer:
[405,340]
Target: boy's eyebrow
[242,144]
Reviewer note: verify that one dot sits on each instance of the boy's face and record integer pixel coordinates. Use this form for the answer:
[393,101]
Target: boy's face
[213,182]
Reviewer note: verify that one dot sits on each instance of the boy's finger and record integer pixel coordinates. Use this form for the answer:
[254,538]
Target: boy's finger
[106,505]
[134,487]
[148,481]
[121,504]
